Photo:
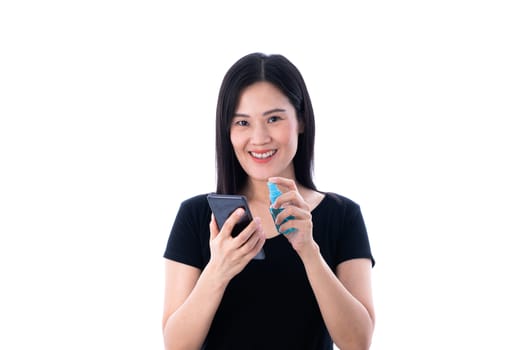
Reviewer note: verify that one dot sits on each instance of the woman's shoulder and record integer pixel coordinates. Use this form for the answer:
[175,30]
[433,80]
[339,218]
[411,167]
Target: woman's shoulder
[195,204]
[198,199]
[334,201]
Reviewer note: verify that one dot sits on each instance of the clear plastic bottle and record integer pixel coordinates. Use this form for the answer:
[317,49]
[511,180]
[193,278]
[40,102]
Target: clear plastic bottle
[274,193]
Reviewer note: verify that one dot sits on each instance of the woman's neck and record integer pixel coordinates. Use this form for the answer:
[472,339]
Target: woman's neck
[256,191]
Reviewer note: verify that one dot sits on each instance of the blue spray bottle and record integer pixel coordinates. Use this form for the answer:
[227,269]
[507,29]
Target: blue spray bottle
[274,193]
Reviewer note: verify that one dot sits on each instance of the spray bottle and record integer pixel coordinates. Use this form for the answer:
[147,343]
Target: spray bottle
[274,193]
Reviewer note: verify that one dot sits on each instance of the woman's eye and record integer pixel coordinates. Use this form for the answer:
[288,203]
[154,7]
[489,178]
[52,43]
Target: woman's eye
[273,119]
[241,123]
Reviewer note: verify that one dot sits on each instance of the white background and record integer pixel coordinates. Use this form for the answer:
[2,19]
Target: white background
[107,123]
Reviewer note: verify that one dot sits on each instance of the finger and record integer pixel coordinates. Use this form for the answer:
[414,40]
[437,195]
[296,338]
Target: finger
[261,241]
[250,243]
[292,213]
[255,243]
[294,226]
[213,228]
[231,221]
[254,226]
[284,183]
[290,199]
[286,231]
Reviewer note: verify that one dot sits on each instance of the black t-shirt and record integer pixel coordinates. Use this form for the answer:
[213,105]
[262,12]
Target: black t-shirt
[270,304]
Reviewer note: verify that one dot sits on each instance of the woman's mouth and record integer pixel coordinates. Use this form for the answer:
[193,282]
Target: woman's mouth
[263,155]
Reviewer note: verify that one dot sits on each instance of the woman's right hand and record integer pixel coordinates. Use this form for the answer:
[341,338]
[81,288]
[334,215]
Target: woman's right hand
[229,255]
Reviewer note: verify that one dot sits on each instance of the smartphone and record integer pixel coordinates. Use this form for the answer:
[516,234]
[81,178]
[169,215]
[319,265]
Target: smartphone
[223,205]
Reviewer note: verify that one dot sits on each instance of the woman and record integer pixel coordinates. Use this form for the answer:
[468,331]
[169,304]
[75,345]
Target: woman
[314,286]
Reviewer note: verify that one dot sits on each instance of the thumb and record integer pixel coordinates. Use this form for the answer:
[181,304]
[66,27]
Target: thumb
[213,228]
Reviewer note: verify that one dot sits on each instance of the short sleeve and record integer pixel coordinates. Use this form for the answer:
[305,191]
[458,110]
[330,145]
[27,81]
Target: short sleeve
[353,240]
[188,241]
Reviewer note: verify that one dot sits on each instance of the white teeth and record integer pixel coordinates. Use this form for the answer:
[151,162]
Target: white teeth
[263,155]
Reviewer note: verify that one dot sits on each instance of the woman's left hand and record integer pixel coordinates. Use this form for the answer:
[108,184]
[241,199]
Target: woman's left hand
[293,204]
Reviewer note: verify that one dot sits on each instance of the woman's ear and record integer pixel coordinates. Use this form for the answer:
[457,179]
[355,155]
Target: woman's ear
[300,126]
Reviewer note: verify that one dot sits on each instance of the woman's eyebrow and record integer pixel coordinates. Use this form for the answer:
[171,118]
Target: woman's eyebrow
[271,111]
[275,110]
[240,115]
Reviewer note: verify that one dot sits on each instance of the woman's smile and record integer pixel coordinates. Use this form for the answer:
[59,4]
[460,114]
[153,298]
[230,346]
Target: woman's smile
[263,156]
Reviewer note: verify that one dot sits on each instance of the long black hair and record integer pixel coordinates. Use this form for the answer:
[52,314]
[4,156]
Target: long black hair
[279,71]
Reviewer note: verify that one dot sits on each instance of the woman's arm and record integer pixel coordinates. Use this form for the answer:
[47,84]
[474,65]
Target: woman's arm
[191,300]
[345,301]
[192,297]
[344,298]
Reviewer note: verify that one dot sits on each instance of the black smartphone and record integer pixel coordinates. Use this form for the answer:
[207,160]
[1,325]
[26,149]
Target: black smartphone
[223,205]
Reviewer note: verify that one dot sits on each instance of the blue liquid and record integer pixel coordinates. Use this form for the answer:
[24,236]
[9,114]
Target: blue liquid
[274,193]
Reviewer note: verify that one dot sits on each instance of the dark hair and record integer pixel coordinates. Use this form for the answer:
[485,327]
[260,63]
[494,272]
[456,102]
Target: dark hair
[279,71]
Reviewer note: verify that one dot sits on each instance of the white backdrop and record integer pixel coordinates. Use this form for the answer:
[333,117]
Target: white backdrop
[107,123]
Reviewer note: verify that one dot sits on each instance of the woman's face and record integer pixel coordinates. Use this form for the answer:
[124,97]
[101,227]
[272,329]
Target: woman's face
[264,132]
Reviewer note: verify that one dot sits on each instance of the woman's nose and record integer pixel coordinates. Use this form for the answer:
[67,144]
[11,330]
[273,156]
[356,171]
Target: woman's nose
[260,134]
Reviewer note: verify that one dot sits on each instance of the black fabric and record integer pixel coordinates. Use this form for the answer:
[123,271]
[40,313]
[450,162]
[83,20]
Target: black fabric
[270,304]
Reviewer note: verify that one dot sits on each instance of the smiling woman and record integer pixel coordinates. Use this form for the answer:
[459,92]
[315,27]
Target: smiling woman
[316,245]
[418,109]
